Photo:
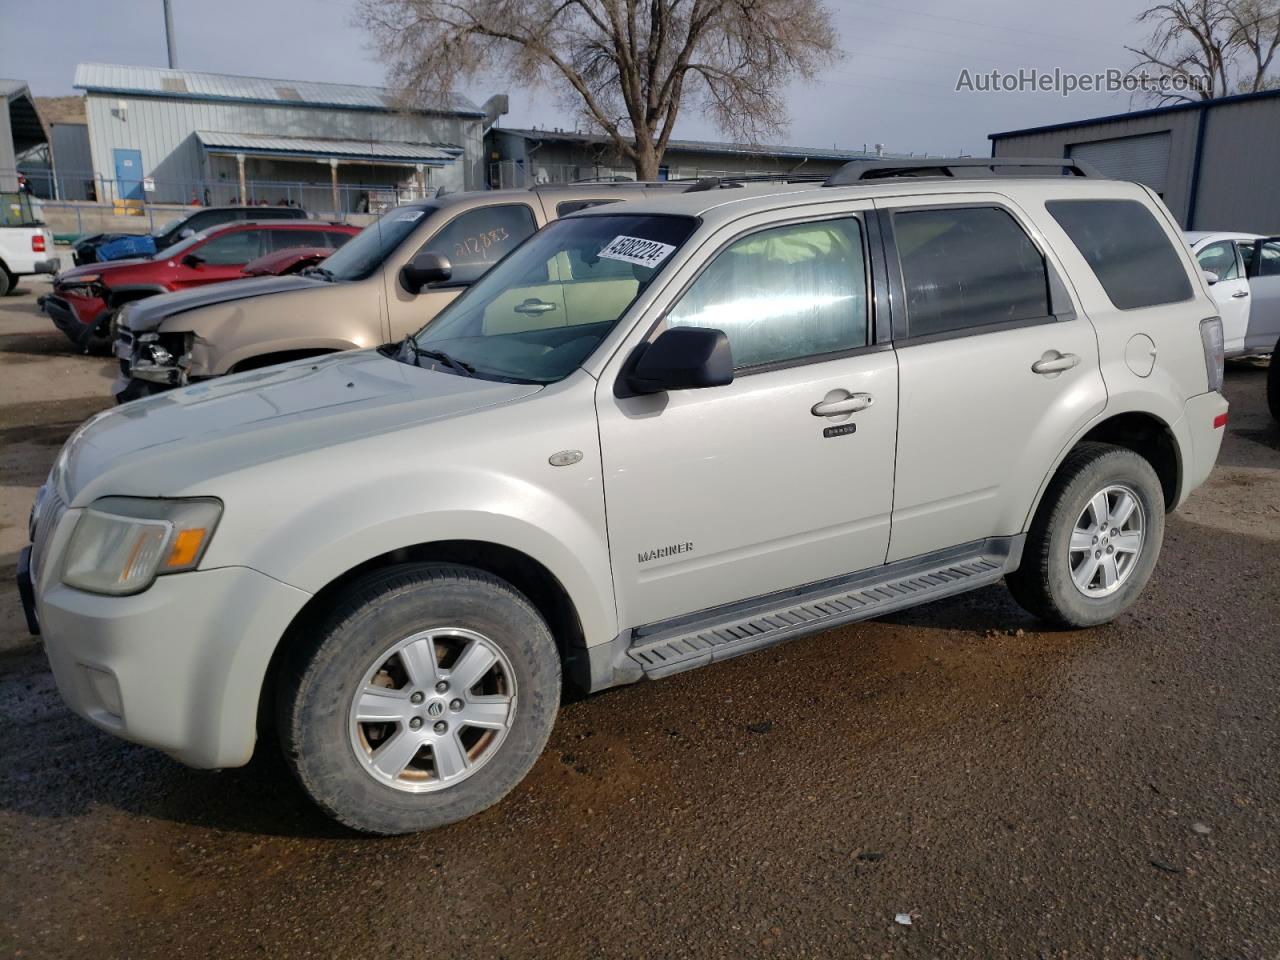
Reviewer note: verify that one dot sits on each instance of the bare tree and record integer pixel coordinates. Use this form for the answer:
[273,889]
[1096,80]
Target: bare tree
[627,66]
[1212,47]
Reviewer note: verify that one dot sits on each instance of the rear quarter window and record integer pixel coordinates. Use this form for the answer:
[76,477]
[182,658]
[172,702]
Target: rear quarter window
[1128,250]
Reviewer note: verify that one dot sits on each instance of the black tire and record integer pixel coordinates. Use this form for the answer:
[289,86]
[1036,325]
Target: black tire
[1043,584]
[319,681]
[101,344]
[7,282]
[1273,382]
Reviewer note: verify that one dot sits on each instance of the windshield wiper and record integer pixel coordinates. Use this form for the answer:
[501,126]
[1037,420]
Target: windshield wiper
[408,351]
[319,271]
[452,363]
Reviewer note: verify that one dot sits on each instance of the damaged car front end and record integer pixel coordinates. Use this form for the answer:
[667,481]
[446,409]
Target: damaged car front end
[150,360]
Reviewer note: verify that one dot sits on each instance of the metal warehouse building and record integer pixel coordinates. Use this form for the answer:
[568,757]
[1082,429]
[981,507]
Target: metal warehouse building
[175,136]
[1213,161]
[519,158]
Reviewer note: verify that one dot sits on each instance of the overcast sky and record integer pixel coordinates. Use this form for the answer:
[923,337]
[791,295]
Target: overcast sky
[896,85]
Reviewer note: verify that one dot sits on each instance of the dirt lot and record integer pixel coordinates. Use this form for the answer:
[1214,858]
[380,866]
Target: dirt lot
[1019,792]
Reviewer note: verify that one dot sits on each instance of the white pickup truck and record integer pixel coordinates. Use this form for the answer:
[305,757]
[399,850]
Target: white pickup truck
[26,245]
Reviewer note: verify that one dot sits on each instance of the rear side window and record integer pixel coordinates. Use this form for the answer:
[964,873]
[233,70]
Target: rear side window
[1129,253]
[474,241]
[966,267]
[784,294]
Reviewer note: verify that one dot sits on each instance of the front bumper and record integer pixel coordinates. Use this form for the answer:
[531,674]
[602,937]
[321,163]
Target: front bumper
[178,667]
[67,317]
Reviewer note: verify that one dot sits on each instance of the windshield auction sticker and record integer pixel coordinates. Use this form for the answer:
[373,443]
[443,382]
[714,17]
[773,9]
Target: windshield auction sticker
[641,252]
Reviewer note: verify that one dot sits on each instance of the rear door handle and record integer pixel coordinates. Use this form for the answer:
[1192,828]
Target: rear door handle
[1239,294]
[1063,361]
[850,404]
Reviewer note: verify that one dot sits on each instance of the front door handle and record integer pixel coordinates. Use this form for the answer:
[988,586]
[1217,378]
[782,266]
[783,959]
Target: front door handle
[1055,364]
[534,306]
[1239,294]
[836,408]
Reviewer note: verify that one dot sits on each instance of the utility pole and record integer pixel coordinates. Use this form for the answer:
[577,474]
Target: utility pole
[168,34]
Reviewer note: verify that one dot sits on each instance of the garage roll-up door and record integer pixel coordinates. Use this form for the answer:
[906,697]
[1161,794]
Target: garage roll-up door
[1144,158]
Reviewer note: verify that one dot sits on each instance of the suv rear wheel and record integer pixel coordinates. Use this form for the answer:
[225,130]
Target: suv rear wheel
[1094,540]
[429,694]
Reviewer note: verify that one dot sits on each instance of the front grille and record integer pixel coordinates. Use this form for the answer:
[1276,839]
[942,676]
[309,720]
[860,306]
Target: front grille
[51,511]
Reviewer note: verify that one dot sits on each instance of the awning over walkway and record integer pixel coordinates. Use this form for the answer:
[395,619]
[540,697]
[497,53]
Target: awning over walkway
[351,151]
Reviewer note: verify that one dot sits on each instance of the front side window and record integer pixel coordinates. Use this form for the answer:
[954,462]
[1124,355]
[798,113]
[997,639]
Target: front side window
[228,249]
[1219,258]
[966,267]
[474,241]
[543,310]
[1130,254]
[289,239]
[784,294]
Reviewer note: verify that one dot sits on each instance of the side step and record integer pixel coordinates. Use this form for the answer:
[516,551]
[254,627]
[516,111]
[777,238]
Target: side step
[664,649]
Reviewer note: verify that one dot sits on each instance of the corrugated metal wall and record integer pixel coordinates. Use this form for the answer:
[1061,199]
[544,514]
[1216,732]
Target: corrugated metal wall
[1238,168]
[1240,153]
[8,162]
[1180,126]
[163,129]
[70,143]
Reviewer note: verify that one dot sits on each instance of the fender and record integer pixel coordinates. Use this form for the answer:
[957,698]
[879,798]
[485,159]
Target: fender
[392,510]
[1146,402]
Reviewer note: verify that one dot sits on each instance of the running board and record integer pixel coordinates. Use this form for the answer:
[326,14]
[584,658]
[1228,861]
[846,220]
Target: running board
[724,632]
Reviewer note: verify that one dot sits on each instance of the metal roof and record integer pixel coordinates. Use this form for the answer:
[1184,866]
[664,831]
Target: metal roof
[264,145]
[705,146]
[1139,114]
[190,85]
[24,120]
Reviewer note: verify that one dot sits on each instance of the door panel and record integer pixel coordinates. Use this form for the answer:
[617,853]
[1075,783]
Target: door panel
[473,240]
[978,429]
[1230,293]
[128,173]
[741,490]
[1264,290]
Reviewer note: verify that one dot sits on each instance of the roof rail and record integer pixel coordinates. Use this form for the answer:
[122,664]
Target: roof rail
[856,171]
[729,180]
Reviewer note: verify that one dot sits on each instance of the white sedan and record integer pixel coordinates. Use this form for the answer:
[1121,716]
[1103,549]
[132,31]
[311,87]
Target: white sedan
[1244,278]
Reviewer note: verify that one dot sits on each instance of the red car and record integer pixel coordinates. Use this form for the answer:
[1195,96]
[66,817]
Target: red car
[85,299]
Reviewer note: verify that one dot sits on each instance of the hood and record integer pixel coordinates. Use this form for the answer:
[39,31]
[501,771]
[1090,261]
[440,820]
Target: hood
[148,314]
[164,444]
[106,268]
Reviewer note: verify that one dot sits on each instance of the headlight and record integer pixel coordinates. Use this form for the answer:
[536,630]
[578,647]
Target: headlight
[121,544]
[84,280]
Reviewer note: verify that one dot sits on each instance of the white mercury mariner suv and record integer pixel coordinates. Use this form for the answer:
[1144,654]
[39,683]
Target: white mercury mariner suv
[656,435]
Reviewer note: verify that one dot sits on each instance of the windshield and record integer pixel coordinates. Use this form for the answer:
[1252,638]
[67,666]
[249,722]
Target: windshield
[545,307]
[364,252]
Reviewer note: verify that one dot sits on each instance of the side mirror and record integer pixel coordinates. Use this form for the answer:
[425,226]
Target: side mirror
[1210,277]
[186,232]
[683,358]
[191,260]
[425,269]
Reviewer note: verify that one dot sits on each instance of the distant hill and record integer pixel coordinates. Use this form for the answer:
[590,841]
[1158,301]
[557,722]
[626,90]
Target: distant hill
[60,109]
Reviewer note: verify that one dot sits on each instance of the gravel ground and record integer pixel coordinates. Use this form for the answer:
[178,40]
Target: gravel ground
[1015,791]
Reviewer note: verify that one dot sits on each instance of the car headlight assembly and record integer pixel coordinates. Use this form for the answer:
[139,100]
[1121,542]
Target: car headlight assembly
[121,544]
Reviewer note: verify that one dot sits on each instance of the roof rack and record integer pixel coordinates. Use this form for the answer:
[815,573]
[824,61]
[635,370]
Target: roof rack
[730,181]
[856,171]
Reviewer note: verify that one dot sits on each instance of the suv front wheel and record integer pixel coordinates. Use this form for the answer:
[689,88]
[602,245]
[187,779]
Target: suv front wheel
[1095,539]
[429,693]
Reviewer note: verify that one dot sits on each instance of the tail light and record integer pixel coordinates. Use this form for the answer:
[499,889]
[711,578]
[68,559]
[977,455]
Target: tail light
[1211,340]
[37,243]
